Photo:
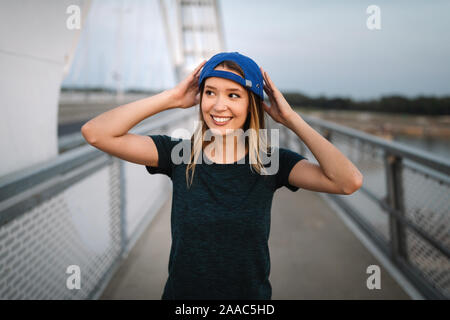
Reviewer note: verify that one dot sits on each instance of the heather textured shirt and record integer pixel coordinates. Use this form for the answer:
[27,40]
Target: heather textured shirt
[220,226]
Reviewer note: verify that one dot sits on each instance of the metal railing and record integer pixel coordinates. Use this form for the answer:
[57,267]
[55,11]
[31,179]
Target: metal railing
[77,209]
[80,209]
[403,205]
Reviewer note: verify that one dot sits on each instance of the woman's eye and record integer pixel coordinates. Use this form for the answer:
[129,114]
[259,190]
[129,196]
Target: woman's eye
[207,92]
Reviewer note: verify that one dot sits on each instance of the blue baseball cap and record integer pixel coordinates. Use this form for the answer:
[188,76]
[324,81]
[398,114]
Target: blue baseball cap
[253,78]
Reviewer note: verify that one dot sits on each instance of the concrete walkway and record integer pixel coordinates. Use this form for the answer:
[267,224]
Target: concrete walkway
[313,256]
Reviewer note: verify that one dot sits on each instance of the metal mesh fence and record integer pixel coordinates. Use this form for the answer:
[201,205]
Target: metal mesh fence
[421,195]
[80,218]
[38,246]
[427,206]
[369,160]
[85,209]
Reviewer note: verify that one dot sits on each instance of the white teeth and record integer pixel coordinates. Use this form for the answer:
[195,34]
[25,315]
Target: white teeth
[221,119]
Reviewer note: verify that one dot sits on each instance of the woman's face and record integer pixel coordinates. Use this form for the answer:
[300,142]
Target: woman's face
[224,104]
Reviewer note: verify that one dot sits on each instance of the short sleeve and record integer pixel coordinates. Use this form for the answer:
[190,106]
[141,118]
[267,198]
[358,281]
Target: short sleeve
[287,159]
[164,145]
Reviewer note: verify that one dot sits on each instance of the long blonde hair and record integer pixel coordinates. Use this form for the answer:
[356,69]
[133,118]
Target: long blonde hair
[255,121]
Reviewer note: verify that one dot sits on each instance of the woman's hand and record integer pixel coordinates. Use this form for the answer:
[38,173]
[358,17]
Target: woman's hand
[186,94]
[279,109]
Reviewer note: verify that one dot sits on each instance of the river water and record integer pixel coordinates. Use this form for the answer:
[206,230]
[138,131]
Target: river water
[437,146]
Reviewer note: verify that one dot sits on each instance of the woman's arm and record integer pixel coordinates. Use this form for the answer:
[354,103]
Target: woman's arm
[120,120]
[336,173]
[109,130]
[335,166]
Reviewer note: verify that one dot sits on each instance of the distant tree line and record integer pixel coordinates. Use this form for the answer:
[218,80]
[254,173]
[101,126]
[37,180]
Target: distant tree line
[104,90]
[425,105]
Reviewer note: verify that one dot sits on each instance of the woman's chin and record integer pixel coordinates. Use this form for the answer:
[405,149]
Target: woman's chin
[222,131]
[217,131]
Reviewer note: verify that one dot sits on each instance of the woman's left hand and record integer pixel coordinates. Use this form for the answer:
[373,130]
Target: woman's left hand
[279,109]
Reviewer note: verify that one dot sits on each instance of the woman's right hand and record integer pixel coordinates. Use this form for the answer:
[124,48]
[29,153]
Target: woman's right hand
[186,94]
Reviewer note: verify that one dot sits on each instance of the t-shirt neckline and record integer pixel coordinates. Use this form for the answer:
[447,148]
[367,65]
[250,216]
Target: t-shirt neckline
[226,164]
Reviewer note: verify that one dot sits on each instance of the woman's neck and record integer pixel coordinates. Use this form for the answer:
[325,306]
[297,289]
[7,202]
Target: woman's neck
[229,150]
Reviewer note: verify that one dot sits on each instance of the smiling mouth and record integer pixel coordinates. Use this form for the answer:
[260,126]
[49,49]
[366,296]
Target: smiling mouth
[220,121]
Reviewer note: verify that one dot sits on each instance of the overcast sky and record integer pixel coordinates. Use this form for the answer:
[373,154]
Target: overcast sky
[314,47]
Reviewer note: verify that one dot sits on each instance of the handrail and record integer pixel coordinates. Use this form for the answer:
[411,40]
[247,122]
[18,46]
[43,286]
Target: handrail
[21,180]
[76,163]
[40,216]
[393,147]
[395,157]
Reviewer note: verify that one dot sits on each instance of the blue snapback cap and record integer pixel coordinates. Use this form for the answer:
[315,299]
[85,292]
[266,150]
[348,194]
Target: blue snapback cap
[252,80]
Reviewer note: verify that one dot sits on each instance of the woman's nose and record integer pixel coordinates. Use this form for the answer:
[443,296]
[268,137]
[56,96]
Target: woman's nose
[220,104]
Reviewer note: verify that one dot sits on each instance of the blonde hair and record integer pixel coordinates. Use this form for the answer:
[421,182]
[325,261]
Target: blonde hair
[254,141]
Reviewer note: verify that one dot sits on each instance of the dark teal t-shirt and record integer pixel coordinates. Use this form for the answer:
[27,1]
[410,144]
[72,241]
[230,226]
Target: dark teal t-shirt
[220,226]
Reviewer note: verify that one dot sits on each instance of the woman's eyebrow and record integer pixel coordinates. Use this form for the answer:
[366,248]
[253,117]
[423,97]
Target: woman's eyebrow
[229,89]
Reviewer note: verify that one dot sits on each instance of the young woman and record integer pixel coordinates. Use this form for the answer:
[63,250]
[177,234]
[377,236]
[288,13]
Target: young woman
[222,197]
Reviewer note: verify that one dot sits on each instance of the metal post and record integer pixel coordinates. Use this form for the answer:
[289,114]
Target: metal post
[123,217]
[395,197]
[286,138]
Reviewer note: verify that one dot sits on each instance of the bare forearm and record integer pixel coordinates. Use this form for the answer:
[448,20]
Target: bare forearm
[335,165]
[120,120]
